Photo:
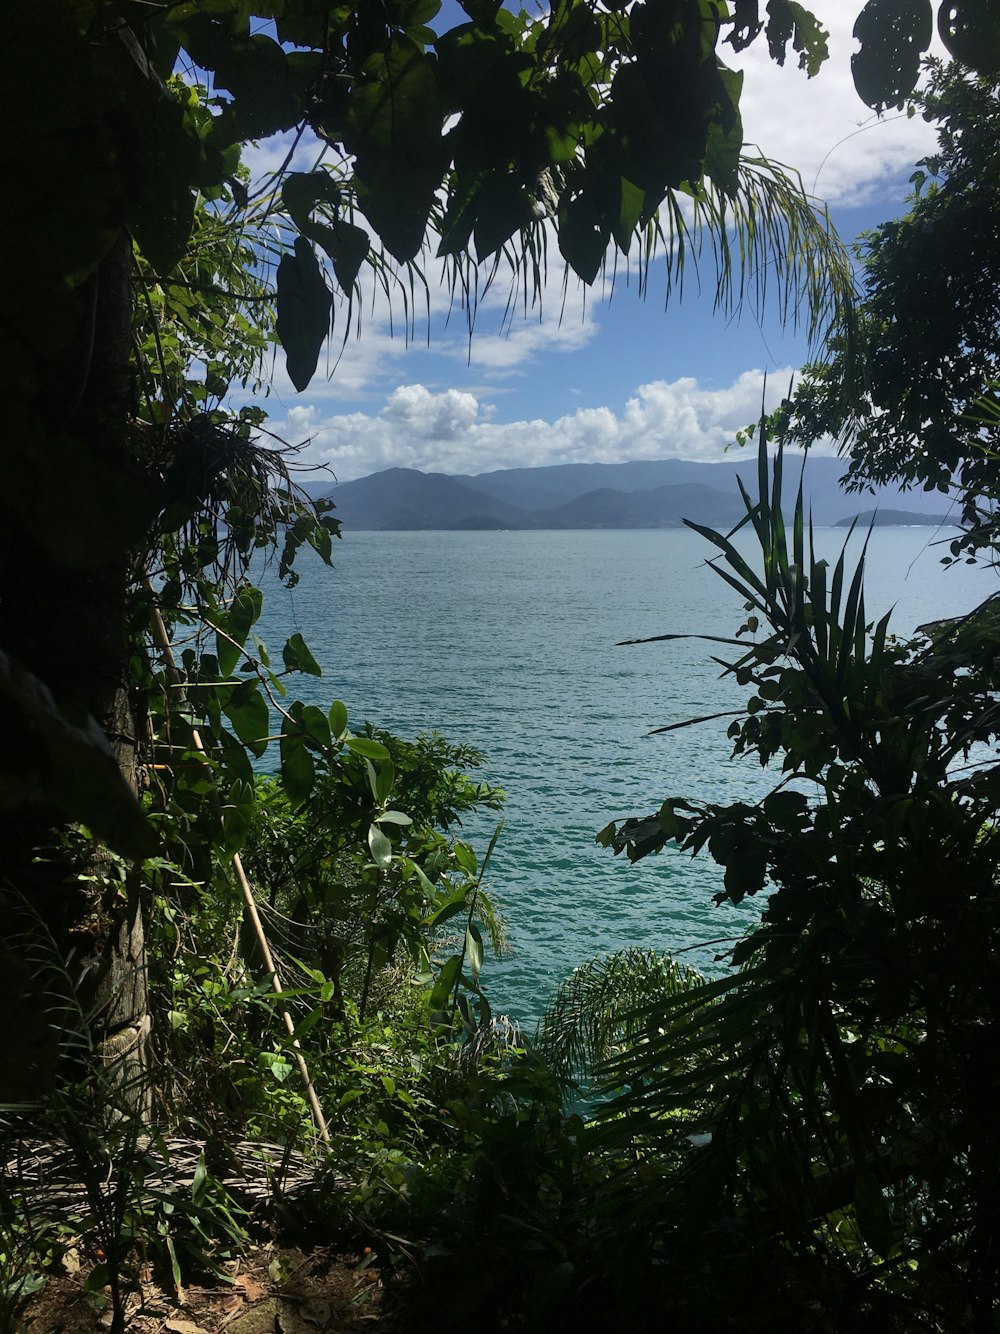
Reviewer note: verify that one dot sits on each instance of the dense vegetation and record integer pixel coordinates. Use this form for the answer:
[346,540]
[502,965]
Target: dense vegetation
[194,952]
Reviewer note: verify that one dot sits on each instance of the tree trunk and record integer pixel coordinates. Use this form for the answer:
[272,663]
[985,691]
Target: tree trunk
[68,625]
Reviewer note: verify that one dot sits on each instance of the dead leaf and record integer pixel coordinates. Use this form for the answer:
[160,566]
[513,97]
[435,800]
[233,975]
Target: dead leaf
[252,1288]
[184,1327]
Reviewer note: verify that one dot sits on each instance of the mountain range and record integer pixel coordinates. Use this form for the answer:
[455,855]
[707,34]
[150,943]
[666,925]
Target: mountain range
[645,493]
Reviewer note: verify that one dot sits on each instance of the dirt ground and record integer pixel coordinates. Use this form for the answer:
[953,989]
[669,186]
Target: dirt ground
[272,1291]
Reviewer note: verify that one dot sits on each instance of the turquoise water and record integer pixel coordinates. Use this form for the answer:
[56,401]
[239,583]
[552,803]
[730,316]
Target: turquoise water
[507,641]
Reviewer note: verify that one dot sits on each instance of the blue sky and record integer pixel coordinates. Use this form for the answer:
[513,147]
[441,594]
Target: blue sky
[602,376]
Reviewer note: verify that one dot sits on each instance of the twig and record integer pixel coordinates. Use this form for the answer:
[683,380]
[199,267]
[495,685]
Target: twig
[163,643]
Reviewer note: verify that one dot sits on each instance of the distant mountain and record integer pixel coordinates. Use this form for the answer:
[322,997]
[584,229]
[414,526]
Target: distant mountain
[403,498]
[897,519]
[552,486]
[663,507]
[646,493]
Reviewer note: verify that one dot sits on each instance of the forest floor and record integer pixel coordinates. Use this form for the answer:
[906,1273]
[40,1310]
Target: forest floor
[272,1290]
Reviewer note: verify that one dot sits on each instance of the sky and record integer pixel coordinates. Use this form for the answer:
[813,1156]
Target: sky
[599,375]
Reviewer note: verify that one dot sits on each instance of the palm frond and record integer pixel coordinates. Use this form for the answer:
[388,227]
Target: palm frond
[606,1004]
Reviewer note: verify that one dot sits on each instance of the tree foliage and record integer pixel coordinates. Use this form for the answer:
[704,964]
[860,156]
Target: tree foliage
[826,1105]
[148,279]
[930,316]
[616,129]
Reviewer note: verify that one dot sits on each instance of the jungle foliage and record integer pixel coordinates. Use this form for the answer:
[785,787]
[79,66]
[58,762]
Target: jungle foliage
[926,414]
[834,1073]
[822,1114]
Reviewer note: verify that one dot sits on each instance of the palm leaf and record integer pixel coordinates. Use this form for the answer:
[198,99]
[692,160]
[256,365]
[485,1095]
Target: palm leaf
[605,1003]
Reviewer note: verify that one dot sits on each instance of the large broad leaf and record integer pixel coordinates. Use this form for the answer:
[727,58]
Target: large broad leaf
[893,35]
[583,237]
[502,208]
[303,312]
[394,130]
[298,773]
[253,68]
[234,626]
[788,21]
[49,754]
[725,137]
[246,708]
[346,244]
[970,29]
[298,657]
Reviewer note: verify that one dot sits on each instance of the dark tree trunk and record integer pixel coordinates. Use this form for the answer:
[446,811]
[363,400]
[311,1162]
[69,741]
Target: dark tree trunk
[67,623]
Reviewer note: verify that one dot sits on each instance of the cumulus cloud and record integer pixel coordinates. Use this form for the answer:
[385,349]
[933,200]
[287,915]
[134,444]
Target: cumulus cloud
[451,432]
[379,400]
[820,126]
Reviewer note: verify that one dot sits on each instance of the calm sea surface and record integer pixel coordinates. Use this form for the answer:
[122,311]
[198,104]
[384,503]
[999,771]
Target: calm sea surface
[507,641]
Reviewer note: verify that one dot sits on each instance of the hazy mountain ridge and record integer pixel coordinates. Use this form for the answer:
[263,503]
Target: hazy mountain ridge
[899,519]
[643,493]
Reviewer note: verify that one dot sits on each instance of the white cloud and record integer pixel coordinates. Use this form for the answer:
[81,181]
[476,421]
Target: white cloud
[452,432]
[820,126]
[362,418]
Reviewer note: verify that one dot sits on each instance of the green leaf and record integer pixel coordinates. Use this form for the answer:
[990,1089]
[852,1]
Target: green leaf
[246,708]
[465,857]
[238,813]
[346,244]
[381,848]
[384,781]
[725,138]
[338,718]
[348,247]
[363,745]
[583,237]
[298,658]
[298,773]
[161,211]
[789,21]
[502,208]
[473,950]
[314,723]
[236,622]
[304,305]
[970,31]
[235,760]
[394,129]
[253,68]
[445,981]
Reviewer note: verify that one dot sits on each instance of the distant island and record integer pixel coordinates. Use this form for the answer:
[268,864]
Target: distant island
[897,519]
[644,493]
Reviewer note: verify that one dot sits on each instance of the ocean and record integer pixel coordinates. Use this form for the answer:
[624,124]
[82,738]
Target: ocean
[506,641]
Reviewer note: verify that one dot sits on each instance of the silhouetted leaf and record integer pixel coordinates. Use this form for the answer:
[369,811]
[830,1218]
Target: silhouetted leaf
[304,305]
[893,36]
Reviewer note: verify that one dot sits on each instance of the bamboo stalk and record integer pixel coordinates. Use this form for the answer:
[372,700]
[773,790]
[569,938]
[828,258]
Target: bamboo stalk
[163,643]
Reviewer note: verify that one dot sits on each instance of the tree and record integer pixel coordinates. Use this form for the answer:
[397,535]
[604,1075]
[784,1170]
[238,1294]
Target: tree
[824,1110]
[931,321]
[833,1085]
[601,123]
[138,253]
